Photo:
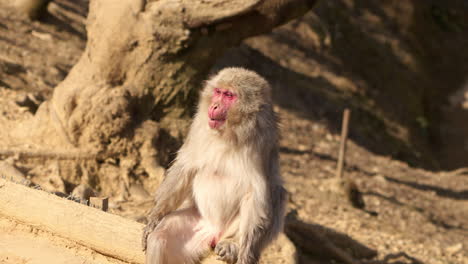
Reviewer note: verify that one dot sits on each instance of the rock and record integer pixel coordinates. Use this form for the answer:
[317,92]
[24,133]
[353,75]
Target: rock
[380,179]
[30,101]
[454,249]
[10,172]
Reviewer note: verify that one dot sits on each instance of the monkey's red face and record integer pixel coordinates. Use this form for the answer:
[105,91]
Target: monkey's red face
[221,102]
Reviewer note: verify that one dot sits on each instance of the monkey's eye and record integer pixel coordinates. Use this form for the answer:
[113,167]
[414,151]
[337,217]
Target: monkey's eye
[228,94]
[217,91]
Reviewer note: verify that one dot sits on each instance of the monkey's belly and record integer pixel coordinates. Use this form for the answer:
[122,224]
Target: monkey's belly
[218,200]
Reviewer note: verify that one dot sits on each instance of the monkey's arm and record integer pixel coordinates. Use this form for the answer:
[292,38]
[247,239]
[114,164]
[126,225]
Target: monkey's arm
[261,221]
[253,228]
[172,192]
[262,213]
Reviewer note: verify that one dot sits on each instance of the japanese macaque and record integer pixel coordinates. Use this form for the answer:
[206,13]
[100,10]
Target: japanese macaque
[223,191]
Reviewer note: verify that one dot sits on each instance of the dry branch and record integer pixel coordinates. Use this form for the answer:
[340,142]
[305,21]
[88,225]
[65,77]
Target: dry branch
[344,138]
[53,154]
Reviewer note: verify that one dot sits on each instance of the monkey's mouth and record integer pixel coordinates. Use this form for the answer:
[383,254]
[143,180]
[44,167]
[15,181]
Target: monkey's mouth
[216,123]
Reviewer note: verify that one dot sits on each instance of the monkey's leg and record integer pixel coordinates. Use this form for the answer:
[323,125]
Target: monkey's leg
[181,237]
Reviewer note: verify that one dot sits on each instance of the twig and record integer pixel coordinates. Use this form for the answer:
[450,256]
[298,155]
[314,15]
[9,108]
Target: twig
[51,154]
[344,137]
[460,171]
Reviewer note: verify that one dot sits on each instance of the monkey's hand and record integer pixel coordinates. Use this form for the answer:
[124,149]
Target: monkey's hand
[147,230]
[227,251]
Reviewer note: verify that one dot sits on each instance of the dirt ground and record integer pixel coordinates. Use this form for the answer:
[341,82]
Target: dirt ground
[407,215]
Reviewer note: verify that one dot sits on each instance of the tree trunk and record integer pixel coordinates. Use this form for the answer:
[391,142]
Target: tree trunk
[145,58]
[33,9]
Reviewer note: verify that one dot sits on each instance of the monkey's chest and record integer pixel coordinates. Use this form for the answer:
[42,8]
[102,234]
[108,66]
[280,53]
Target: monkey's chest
[218,197]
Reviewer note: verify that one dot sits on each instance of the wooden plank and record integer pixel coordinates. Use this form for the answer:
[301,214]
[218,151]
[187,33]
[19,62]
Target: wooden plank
[106,233]
[99,203]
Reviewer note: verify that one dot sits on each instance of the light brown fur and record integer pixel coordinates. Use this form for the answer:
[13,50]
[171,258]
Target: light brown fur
[227,179]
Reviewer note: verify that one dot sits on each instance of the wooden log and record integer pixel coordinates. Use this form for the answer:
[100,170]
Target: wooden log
[106,233]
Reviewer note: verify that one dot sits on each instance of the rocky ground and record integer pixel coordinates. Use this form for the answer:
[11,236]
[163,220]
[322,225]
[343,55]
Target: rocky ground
[403,214]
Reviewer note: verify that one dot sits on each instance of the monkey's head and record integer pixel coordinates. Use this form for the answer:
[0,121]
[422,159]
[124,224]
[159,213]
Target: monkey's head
[234,99]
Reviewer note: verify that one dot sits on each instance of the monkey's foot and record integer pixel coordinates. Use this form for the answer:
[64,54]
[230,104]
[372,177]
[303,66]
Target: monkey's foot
[227,251]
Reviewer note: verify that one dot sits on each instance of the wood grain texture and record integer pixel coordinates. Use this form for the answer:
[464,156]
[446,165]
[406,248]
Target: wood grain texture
[106,233]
